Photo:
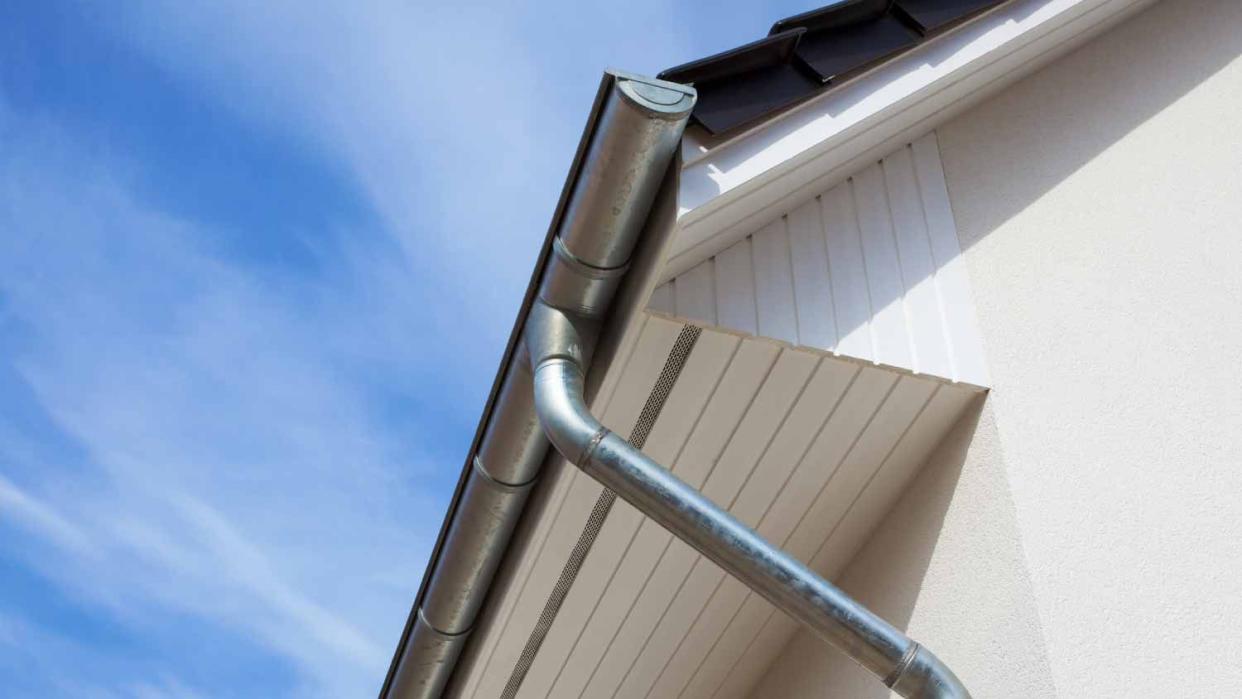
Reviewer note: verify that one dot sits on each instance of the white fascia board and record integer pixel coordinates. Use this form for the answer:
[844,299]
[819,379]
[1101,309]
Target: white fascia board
[732,189]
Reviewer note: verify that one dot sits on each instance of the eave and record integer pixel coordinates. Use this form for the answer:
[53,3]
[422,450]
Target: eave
[732,187]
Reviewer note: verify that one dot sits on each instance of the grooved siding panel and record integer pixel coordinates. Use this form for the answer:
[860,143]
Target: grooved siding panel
[695,296]
[809,448]
[601,568]
[573,500]
[757,631]
[735,289]
[869,269]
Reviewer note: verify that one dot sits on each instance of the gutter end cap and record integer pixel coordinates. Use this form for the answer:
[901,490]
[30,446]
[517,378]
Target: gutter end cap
[654,97]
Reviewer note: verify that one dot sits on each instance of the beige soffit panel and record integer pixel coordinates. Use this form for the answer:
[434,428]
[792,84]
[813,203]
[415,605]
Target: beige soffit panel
[869,269]
[810,448]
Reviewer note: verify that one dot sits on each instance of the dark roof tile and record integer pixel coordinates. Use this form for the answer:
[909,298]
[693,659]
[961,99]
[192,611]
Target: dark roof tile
[809,53]
[935,16]
[840,53]
[747,82]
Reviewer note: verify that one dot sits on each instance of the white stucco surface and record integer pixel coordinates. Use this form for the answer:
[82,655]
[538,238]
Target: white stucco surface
[951,540]
[1088,543]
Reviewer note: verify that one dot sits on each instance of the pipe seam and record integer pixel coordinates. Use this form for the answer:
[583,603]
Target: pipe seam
[906,659]
[575,285]
[583,267]
[592,445]
[446,635]
[479,468]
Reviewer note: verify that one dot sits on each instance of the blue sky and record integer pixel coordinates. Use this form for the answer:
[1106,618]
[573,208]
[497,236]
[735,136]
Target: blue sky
[257,264]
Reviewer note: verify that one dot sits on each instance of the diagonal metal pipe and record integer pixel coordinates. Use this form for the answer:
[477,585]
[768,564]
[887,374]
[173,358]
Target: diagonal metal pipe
[902,664]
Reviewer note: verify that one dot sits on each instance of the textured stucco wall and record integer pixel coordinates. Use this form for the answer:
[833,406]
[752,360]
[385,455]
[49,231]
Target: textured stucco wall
[1092,541]
[951,539]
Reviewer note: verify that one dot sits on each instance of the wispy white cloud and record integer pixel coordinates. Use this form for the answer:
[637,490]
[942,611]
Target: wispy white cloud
[18,508]
[36,663]
[434,110]
[458,120]
[235,467]
[237,464]
[164,688]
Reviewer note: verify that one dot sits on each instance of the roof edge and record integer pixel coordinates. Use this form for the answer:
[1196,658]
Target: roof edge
[733,186]
[628,147]
[506,358]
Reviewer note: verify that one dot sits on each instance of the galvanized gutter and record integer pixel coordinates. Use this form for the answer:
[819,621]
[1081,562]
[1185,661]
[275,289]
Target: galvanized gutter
[592,254]
[631,138]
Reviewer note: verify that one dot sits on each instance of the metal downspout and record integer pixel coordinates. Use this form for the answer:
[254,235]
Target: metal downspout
[558,341]
[903,665]
[632,137]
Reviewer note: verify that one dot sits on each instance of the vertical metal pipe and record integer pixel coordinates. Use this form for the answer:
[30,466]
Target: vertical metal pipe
[903,665]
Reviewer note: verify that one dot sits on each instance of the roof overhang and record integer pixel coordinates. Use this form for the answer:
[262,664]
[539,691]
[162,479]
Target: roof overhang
[727,189]
[808,448]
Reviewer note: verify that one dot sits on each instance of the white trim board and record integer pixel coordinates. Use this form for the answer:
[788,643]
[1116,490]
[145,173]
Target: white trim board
[736,187]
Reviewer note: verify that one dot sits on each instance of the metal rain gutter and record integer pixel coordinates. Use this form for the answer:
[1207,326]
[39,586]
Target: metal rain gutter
[633,136]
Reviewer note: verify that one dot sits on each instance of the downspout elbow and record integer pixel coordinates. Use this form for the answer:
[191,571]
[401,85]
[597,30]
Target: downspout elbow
[567,423]
[558,345]
[926,675]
